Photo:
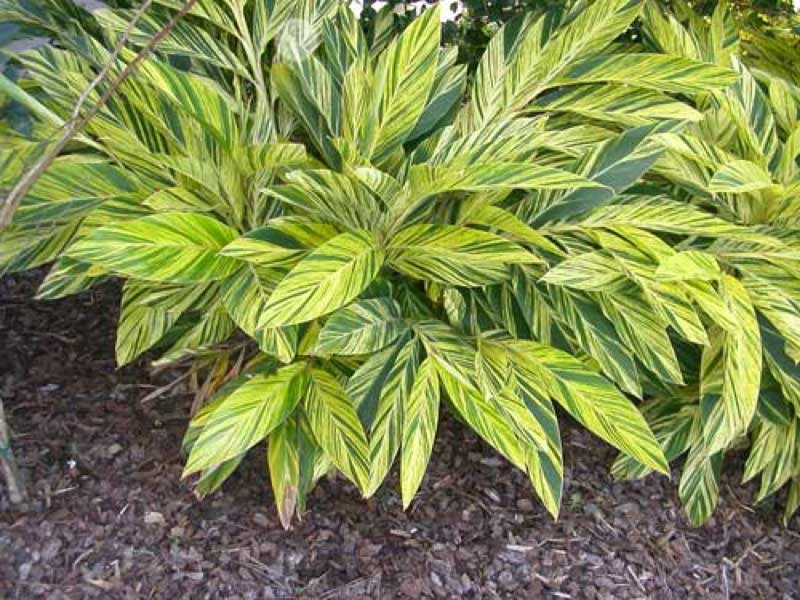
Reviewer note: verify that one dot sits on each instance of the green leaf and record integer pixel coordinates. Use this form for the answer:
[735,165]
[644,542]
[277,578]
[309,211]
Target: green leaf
[616,104]
[699,486]
[739,177]
[336,428]
[594,402]
[283,461]
[589,271]
[247,415]
[614,165]
[792,500]
[676,426]
[420,419]
[328,278]
[536,425]
[386,426]
[730,371]
[212,478]
[482,416]
[404,76]
[454,255]
[171,247]
[660,72]
[148,312]
[692,264]
[282,243]
[363,327]
[72,187]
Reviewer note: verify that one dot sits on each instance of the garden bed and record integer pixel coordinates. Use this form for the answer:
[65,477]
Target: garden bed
[110,518]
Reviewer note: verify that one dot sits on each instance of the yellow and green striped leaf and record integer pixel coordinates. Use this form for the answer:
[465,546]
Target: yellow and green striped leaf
[330,277]
[454,255]
[282,242]
[662,72]
[426,180]
[739,177]
[535,422]
[615,164]
[170,247]
[72,187]
[775,455]
[593,401]
[595,334]
[675,424]
[283,462]
[66,277]
[247,415]
[616,104]
[660,214]
[336,428]
[731,371]
[420,419]
[330,197]
[592,271]
[149,311]
[363,327]
[503,220]
[691,264]
[482,416]
[699,485]
[404,77]
[386,426]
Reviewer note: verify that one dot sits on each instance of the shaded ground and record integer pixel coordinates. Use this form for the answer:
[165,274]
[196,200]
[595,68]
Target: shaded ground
[110,517]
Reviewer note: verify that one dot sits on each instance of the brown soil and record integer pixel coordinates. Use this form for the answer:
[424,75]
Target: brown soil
[110,518]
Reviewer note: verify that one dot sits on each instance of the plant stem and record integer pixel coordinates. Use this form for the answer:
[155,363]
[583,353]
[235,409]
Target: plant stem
[16,487]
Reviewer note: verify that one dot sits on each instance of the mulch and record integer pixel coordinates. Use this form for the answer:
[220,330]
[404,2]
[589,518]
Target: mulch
[109,516]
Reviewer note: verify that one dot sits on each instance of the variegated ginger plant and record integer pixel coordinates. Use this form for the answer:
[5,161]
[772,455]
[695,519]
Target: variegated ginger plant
[741,162]
[388,233]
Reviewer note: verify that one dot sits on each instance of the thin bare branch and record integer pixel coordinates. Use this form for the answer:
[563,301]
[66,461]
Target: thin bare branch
[76,111]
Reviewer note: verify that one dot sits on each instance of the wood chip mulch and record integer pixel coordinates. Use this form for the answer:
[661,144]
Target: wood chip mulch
[109,516]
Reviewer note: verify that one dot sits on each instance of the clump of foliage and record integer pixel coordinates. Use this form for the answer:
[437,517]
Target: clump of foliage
[741,161]
[345,232]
